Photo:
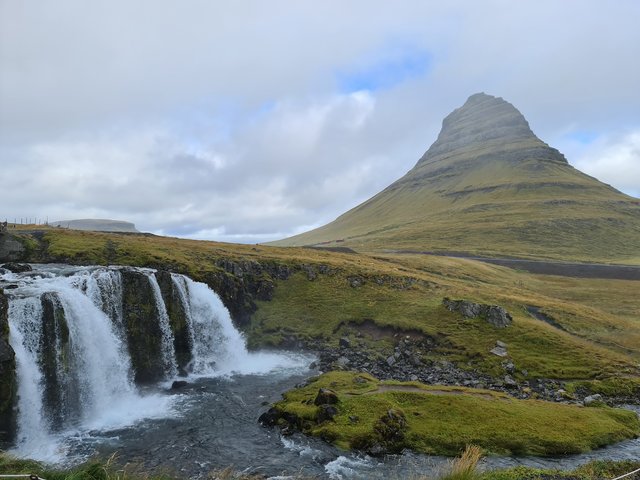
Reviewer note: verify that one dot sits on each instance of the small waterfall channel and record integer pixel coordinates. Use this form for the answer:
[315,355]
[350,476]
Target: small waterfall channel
[91,342]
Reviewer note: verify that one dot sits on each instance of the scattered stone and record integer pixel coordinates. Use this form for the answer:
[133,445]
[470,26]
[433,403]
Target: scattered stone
[500,349]
[509,367]
[355,282]
[177,384]
[591,399]
[391,361]
[510,382]
[354,418]
[313,365]
[326,397]
[342,362]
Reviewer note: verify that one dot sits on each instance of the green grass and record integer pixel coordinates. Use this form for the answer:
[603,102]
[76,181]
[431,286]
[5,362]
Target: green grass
[461,469]
[93,470]
[444,420]
[594,470]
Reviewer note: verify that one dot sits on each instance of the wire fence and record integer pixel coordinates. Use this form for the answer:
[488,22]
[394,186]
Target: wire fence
[634,474]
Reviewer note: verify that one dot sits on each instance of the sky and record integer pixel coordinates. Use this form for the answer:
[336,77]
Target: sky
[249,121]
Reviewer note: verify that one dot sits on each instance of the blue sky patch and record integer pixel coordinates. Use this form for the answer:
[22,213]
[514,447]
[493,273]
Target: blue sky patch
[386,72]
[582,136]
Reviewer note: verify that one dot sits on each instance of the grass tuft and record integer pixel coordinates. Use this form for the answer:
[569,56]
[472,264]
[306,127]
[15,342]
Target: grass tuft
[465,467]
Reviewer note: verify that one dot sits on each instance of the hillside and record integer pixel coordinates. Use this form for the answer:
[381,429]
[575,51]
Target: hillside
[489,186]
[580,328]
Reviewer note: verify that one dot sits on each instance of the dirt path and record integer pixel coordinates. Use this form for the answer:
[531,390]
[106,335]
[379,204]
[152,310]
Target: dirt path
[411,388]
[564,269]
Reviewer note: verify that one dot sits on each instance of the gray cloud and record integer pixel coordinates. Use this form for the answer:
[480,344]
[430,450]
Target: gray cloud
[234,121]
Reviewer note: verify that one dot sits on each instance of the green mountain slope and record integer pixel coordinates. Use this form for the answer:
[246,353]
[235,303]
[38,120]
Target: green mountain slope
[489,186]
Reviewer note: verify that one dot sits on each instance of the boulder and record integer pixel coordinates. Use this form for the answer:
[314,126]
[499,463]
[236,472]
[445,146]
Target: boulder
[177,384]
[345,342]
[493,314]
[270,417]
[498,316]
[17,267]
[326,413]
[326,397]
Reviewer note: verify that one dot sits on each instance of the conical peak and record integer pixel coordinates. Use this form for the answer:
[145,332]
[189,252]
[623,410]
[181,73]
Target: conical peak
[483,119]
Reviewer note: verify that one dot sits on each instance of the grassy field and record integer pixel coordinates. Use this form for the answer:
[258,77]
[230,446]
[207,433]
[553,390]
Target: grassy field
[443,420]
[596,331]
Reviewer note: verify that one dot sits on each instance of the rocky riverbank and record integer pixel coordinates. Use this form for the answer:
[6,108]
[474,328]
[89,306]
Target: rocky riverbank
[407,363]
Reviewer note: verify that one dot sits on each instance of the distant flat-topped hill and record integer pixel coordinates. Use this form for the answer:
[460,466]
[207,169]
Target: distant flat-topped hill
[489,186]
[97,225]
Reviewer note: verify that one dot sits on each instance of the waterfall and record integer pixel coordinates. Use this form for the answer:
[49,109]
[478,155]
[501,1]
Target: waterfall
[168,349]
[217,347]
[75,331]
[73,367]
[24,335]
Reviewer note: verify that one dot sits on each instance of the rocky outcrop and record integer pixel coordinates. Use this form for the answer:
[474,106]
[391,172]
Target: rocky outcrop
[11,249]
[60,400]
[17,267]
[388,435]
[494,314]
[143,330]
[489,122]
[242,282]
[7,377]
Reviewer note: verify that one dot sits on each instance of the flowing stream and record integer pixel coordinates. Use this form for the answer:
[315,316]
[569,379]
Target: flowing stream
[77,397]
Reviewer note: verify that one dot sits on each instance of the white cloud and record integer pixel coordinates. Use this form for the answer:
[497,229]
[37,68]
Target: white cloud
[615,161]
[228,120]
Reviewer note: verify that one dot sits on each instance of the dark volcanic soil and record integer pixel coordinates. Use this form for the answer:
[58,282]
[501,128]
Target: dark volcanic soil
[564,269]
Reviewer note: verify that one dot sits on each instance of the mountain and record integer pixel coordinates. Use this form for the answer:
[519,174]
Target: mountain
[489,186]
[97,225]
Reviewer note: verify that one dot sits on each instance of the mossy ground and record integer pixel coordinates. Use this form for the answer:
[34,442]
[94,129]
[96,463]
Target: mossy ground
[443,420]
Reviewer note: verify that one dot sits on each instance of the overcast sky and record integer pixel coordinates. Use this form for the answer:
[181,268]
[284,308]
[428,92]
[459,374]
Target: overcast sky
[249,121]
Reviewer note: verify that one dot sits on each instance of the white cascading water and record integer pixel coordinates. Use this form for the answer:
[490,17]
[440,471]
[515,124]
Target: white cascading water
[98,374]
[98,359]
[168,348]
[218,348]
[24,335]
